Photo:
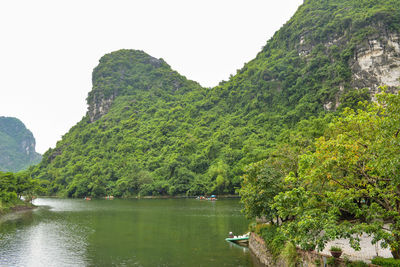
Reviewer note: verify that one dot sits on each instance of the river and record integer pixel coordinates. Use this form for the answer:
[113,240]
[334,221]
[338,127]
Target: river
[134,232]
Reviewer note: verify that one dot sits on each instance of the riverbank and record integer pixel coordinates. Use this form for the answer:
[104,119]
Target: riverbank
[152,197]
[15,207]
[178,197]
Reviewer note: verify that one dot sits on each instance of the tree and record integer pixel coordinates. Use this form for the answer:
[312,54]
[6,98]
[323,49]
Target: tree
[261,183]
[350,184]
[263,180]
[15,185]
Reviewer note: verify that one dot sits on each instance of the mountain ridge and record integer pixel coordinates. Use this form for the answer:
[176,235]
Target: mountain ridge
[150,131]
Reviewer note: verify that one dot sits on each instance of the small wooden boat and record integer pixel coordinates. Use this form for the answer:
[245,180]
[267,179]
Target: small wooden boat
[213,198]
[239,239]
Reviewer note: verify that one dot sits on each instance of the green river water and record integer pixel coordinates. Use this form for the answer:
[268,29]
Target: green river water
[144,232]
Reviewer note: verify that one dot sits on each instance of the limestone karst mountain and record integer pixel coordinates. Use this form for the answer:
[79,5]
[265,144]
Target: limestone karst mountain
[151,131]
[17,146]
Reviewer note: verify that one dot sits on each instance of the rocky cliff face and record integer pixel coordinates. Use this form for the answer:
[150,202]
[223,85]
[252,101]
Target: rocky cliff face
[377,62]
[17,145]
[99,106]
[359,39]
[115,76]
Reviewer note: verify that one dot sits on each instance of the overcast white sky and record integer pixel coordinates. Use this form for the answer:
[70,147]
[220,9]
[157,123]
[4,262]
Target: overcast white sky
[48,48]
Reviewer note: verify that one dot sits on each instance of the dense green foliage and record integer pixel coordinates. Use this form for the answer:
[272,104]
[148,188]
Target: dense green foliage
[13,186]
[384,262]
[17,145]
[346,183]
[357,264]
[351,176]
[274,239]
[166,135]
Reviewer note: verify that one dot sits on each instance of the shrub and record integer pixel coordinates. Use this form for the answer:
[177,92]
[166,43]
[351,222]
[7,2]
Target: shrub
[386,262]
[289,254]
[357,264]
[259,228]
[331,261]
[274,238]
[333,248]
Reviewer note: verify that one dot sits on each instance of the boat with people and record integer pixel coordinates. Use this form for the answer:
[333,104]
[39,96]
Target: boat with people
[242,239]
[212,198]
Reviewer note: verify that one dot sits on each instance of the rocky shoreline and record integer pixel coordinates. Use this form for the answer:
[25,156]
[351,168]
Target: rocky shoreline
[17,208]
[307,258]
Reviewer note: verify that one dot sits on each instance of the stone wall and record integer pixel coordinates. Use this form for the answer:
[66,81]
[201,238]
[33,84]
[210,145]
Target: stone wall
[258,248]
[307,258]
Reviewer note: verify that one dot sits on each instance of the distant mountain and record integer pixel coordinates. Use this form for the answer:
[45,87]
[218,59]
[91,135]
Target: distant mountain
[150,131]
[17,146]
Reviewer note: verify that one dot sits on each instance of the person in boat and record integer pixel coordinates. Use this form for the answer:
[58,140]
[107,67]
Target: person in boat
[230,235]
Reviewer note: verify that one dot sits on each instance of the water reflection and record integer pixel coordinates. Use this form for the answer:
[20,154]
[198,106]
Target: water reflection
[167,232]
[38,238]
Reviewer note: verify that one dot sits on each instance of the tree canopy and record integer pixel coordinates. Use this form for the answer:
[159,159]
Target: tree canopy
[347,183]
[15,185]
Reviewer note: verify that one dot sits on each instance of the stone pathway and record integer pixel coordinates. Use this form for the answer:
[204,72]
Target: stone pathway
[367,252]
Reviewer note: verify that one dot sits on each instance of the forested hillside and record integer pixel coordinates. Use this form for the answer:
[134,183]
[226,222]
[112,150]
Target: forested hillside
[17,146]
[150,131]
